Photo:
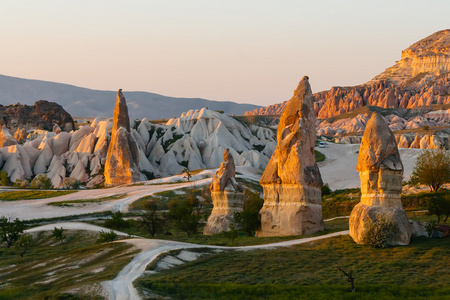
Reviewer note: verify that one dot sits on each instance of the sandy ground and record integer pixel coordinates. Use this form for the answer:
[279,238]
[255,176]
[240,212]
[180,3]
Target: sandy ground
[339,167]
[121,287]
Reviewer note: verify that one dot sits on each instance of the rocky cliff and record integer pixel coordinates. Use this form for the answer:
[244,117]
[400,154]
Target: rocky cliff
[42,115]
[420,78]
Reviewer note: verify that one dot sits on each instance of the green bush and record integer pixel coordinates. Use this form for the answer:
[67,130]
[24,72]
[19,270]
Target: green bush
[71,183]
[117,221]
[41,182]
[185,216]
[377,233]
[107,236]
[4,178]
[325,189]
[249,219]
[10,230]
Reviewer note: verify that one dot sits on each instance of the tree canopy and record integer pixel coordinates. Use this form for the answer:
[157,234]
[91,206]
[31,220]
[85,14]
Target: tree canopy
[432,168]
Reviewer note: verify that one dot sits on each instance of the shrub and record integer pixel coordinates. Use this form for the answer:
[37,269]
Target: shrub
[249,219]
[58,233]
[21,183]
[232,235]
[107,236]
[4,178]
[325,189]
[377,233]
[41,182]
[71,183]
[430,227]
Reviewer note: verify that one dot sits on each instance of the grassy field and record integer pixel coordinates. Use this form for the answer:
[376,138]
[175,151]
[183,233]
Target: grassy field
[69,270]
[84,201]
[308,271]
[31,195]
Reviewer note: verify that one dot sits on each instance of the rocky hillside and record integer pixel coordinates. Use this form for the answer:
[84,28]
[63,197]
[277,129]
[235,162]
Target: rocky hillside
[82,102]
[196,140]
[420,78]
[41,115]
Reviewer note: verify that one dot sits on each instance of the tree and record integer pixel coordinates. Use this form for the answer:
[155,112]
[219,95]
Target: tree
[184,217]
[41,182]
[10,231]
[432,168]
[151,220]
[25,242]
[4,178]
[439,207]
[117,221]
[58,233]
[188,174]
[232,234]
[249,218]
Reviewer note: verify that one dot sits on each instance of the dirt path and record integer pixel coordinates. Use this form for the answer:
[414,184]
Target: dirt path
[122,287]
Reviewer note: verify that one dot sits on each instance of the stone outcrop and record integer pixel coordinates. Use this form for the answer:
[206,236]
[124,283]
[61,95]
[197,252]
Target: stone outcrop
[227,197]
[20,135]
[42,115]
[122,162]
[6,138]
[381,172]
[291,180]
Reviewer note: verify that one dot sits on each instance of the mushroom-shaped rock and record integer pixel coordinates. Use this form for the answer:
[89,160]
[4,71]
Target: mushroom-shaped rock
[122,162]
[381,172]
[291,180]
[227,197]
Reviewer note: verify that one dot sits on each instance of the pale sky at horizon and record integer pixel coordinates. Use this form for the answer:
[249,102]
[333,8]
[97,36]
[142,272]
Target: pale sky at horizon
[243,51]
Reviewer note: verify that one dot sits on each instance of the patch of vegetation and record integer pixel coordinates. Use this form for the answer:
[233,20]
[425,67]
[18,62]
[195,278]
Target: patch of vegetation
[52,270]
[340,202]
[259,148]
[309,270]
[319,156]
[432,168]
[167,143]
[84,201]
[31,195]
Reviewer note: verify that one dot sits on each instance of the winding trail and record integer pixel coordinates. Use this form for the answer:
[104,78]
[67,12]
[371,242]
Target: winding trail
[121,287]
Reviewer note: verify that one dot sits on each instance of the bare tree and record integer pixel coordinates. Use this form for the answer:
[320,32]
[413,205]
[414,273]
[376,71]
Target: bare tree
[349,276]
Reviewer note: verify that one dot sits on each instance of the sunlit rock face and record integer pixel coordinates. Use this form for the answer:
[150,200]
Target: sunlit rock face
[420,78]
[122,162]
[381,172]
[291,180]
[227,197]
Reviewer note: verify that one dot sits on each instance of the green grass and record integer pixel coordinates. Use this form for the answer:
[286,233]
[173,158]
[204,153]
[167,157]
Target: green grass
[31,195]
[319,156]
[417,271]
[84,201]
[51,270]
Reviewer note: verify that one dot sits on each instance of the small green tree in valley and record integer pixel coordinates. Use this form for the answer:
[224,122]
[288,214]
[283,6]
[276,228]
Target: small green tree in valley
[439,207]
[232,234]
[249,218]
[58,233]
[432,168]
[152,220]
[184,216]
[10,230]
[107,236]
[117,221]
[24,243]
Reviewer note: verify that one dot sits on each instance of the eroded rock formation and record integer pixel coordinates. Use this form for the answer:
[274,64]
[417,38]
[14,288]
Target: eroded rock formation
[43,115]
[227,197]
[122,162]
[291,180]
[381,172]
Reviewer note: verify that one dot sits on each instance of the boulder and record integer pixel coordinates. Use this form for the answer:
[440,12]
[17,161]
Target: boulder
[291,180]
[381,172]
[122,162]
[227,197]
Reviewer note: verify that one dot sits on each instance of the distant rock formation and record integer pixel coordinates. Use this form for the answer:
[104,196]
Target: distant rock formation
[420,78]
[20,135]
[381,172]
[122,162]
[291,180]
[227,197]
[6,138]
[43,115]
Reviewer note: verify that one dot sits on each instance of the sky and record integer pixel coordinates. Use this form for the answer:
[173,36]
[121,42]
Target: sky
[244,51]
